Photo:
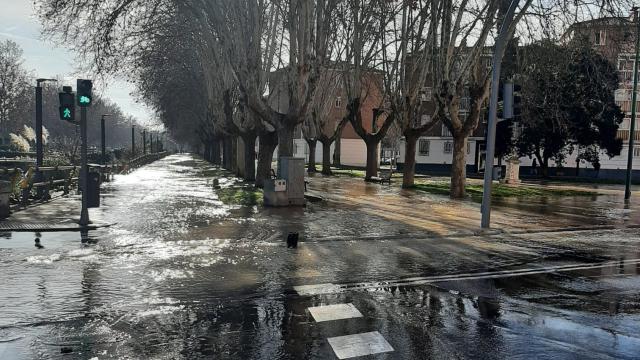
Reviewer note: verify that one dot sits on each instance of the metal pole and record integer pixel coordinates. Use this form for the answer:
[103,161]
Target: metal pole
[102,142]
[151,143]
[84,171]
[493,111]
[634,97]
[144,142]
[39,148]
[133,140]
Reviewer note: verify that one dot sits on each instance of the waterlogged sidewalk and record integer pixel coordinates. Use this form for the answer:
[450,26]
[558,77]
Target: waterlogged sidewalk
[443,216]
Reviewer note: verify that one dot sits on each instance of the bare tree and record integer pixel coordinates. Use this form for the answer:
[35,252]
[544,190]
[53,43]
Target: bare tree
[406,62]
[361,33]
[14,87]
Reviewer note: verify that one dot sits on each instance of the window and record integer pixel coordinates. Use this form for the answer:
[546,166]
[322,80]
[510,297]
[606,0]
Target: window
[625,68]
[624,125]
[448,147]
[339,102]
[425,94]
[623,99]
[423,147]
[600,37]
[636,151]
[445,131]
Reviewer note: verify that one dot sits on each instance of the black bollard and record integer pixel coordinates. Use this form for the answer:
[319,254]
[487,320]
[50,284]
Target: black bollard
[292,240]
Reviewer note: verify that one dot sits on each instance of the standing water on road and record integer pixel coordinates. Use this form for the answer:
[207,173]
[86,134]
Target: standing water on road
[182,274]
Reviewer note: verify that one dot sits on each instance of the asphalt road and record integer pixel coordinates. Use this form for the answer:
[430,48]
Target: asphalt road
[181,275]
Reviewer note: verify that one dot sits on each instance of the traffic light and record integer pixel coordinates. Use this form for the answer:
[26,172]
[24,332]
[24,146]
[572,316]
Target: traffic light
[67,104]
[508,100]
[84,92]
[517,101]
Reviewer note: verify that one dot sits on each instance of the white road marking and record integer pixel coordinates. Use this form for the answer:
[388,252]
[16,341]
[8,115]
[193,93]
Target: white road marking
[349,346]
[334,312]
[337,288]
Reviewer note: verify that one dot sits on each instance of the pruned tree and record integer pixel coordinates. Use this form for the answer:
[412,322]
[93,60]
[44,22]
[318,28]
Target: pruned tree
[361,33]
[407,60]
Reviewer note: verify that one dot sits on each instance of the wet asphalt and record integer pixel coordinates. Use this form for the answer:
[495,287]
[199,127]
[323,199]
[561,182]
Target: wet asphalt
[180,275]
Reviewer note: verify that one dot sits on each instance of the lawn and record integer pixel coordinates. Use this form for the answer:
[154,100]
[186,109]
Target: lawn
[500,190]
[243,195]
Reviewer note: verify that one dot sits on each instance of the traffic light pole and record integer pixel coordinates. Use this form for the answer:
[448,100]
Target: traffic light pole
[84,168]
[39,147]
[103,157]
[632,131]
[493,111]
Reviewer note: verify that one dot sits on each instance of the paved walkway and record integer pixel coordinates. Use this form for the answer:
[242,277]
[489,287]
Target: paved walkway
[444,216]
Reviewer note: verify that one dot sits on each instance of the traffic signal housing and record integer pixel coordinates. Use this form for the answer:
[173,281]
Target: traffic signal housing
[84,95]
[67,104]
[517,101]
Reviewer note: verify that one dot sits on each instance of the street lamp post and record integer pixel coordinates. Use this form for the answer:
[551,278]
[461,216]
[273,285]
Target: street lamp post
[133,141]
[634,99]
[144,142]
[103,158]
[39,142]
[493,111]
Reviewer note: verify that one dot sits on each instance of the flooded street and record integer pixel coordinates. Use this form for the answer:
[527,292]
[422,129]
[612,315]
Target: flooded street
[181,275]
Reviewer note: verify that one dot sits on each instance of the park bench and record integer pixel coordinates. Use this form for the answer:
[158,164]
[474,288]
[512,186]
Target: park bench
[385,177]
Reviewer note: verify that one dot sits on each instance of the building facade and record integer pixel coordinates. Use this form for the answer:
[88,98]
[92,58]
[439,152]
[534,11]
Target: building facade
[614,38]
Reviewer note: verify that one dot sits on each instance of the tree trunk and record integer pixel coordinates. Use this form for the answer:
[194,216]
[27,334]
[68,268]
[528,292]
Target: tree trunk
[216,152]
[544,166]
[409,170]
[336,149]
[311,168]
[459,167]
[249,157]
[326,158]
[372,160]
[285,140]
[267,144]
[207,151]
[226,153]
[234,155]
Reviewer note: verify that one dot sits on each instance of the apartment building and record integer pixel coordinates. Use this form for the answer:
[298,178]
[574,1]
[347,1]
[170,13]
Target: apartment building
[614,38]
[332,96]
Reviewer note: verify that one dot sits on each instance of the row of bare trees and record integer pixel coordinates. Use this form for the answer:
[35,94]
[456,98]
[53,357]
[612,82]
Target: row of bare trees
[220,72]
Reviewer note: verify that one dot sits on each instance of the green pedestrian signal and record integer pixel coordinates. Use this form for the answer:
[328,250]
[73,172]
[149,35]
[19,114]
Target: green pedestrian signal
[84,88]
[67,104]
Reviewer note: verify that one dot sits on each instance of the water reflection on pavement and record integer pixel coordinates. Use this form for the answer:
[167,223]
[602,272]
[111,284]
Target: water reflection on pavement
[181,275]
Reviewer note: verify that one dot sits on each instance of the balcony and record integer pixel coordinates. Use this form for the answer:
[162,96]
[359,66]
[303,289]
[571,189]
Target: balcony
[624,135]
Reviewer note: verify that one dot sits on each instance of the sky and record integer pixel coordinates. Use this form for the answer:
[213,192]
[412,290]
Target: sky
[19,23]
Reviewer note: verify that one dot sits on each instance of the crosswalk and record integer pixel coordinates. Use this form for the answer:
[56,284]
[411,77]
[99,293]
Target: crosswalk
[349,345]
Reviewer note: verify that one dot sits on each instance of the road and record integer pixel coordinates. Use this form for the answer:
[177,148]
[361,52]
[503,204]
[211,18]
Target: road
[181,275]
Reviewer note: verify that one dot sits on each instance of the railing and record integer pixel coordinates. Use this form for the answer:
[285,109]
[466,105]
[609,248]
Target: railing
[43,181]
[35,185]
[141,161]
[624,135]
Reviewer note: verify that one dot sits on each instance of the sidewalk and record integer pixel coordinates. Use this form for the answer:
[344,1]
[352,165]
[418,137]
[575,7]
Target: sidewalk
[448,217]
[58,214]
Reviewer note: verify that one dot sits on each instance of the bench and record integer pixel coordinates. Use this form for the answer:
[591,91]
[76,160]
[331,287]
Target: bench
[385,177]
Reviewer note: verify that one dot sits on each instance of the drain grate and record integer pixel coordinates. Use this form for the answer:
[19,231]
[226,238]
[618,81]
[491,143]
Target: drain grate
[42,227]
